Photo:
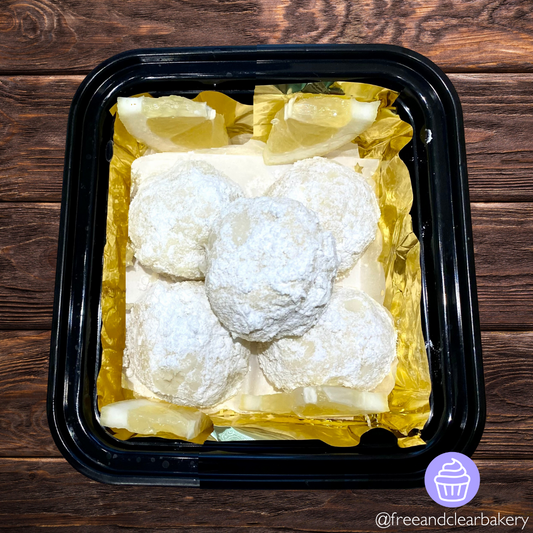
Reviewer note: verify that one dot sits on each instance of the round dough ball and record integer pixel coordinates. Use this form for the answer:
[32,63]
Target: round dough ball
[270,268]
[343,200]
[352,345]
[171,215]
[177,348]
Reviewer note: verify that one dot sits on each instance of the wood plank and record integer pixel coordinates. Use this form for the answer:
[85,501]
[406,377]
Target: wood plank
[76,35]
[50,493]
[32,136]
[504,265]
[24,359]
[458,36]
[508,382]
[28,250]
[498,117]
[502,244]
[498,113]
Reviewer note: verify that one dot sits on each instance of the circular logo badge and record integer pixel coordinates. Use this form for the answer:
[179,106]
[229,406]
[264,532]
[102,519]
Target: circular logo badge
[452,479]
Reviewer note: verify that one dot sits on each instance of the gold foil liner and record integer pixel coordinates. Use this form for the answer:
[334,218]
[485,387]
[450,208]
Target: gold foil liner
[237,117]
[113,299]
[409,400]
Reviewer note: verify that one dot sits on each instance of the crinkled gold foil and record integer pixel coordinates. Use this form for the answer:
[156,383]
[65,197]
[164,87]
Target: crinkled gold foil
[409,400]
[113,300]
[238,117]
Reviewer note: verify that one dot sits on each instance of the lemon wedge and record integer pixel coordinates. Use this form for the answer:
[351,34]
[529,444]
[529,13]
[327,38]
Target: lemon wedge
[314,125]
[172,123]
[318,402]
[148,417]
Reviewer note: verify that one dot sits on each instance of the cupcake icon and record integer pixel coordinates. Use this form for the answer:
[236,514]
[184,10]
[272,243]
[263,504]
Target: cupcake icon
[452,482]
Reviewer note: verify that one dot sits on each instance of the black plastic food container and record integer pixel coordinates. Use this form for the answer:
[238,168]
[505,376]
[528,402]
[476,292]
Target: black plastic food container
[441,220]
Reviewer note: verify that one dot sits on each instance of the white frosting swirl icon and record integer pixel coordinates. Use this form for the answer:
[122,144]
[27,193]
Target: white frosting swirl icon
[452,482]
[455,469]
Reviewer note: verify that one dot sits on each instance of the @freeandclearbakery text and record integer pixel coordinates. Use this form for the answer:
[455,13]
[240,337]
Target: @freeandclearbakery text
[387,520]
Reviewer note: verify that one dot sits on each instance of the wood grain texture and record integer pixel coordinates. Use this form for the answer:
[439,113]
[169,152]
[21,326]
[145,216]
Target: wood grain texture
[76,35]
[498,118]
[50,493]
[504,264]
[459,36]
[508,381]
[498,112]
[508,384]
[502,244]
[28,250]
[33,126]
[24,359]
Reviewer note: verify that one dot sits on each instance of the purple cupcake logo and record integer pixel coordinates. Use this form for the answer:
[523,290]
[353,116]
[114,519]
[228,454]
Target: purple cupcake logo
[452,479]
[452,482]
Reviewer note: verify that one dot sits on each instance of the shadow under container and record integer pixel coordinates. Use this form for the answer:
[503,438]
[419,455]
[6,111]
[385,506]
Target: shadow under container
[441,220]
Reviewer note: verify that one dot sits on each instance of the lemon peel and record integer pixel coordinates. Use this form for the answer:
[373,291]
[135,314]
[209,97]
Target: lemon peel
[148,417]
[317,402]
[314,125]
[172,123]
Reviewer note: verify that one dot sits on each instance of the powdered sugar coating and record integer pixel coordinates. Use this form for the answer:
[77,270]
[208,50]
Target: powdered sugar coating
[171,215]
[342,199]
[177,348]
[270,268]
[352,345]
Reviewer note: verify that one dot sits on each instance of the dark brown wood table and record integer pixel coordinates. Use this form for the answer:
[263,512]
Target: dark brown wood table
[47,47]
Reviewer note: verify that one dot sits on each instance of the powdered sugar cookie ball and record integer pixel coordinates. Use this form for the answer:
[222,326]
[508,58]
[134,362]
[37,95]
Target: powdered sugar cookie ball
[171,215]
[343,200]
[352,345]
[270,268]
[177,348]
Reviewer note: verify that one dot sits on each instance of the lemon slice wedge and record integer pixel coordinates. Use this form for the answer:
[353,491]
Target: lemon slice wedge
[318,402]
[172,123]
[148,417]
[314,125]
